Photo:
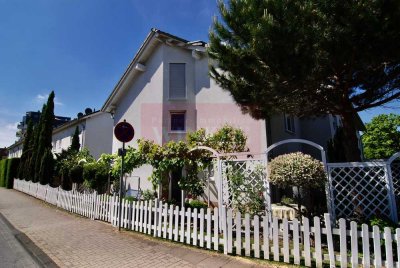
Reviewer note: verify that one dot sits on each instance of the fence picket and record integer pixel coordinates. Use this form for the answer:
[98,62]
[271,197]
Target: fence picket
[266,246]
[229,230]
[329,239]
[365,245]
[160,214]
[397,238]
[343,243]
[275,238]
[201,234]
[238,233]
[247,246]
[306,238]
[165,222]
[176,229]
[182,233]
[208,235]
[171,221]
[388,247]
[317,239]
[141,216]
[145,210]
[256,237]
[377,246]
[195,218]
[155,218]
[285,240]
[216,238]
[296,245]
[354,244]
[188,225]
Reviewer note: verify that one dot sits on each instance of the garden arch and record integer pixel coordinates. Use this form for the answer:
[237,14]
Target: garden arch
[302,141]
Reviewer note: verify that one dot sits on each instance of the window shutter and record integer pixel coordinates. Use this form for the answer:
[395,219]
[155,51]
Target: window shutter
[177,81]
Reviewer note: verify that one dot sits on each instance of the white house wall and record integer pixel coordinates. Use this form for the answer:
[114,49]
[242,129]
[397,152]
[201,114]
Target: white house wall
[98,134]
[61,140]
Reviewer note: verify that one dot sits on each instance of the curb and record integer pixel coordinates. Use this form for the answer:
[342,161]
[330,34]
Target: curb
[41,258]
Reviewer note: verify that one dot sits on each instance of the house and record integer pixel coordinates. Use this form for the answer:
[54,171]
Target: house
[95,133]
[166,92]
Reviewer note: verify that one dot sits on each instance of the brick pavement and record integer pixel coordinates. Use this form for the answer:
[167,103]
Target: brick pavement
[73,241]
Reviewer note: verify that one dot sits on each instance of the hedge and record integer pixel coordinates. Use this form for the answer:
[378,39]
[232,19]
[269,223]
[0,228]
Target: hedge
[3,170]
[8,171]
[12,172]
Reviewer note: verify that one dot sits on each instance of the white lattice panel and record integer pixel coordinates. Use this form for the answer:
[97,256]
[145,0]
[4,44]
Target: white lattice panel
[253,181]
[359,190]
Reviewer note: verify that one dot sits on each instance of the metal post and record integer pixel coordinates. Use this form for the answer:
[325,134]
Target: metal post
[120,186]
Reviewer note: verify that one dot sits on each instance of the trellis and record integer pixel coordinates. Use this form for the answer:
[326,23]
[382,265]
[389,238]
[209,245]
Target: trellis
[254,186]
[363,189]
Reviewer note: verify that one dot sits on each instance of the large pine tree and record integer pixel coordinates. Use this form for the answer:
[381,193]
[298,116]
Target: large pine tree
[309,57]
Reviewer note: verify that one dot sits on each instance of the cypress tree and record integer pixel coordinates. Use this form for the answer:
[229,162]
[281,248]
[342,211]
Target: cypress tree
[44,140]
[75,145]
[46,170]
[26,150]
[32,161]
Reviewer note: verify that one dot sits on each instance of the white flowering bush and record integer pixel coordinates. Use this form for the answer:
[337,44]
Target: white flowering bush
[297,170]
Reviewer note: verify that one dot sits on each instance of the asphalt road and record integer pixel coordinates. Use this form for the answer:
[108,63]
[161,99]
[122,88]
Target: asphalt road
[12,254]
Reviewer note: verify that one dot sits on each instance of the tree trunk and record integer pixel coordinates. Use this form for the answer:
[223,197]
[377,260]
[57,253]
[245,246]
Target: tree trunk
[350,142]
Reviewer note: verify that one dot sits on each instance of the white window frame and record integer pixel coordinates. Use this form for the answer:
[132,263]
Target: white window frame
[289,123]
[170,122]
[169,82]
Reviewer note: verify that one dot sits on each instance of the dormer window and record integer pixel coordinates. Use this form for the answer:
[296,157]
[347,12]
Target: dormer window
[177,81]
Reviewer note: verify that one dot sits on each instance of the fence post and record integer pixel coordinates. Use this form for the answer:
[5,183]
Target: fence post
[392,198]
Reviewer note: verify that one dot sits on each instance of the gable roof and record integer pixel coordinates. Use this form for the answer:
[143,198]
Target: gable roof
[153,39]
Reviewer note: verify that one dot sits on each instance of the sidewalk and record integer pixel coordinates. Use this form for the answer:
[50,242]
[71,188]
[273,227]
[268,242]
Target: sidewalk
[72,241]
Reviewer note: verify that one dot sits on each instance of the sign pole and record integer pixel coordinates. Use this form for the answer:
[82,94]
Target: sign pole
[124,132]
[120,185]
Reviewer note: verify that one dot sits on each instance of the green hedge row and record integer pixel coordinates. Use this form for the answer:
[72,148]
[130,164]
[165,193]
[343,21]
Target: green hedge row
[8,171]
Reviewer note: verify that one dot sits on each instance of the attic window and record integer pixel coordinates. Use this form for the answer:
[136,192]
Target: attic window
[177,81]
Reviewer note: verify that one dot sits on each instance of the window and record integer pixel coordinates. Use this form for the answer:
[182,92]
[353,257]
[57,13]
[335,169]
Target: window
[177,81]
[178,121]
[289,123]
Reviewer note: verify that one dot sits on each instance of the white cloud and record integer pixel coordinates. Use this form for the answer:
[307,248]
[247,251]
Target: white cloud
[41,98]
[7,133]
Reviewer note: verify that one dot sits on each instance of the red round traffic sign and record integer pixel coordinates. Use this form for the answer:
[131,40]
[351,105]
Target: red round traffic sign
[124,132]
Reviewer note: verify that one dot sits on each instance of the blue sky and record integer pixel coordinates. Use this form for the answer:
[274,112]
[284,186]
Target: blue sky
[80,49]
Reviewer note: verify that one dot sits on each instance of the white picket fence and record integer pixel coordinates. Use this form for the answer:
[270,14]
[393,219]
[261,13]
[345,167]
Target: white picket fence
[307,243]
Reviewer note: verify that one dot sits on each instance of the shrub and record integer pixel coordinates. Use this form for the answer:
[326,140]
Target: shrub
[148,195]
[297,170]
[95,176]
[12,171]
[196,204]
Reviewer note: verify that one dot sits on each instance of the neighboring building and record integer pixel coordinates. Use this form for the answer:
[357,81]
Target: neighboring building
[95,134]
[15,150]
[3,153]
[35,117]
[166,92]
